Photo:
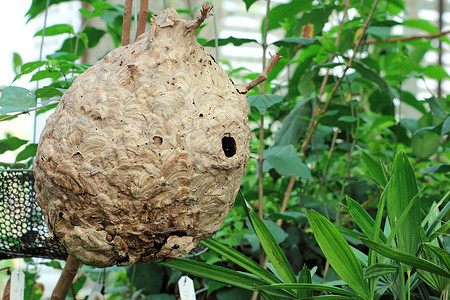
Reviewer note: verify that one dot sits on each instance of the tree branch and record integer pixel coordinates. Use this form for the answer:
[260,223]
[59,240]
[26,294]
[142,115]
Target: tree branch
[27,111]
[126,22]
[142,21]
[243,89]
[66,278]
[405,38]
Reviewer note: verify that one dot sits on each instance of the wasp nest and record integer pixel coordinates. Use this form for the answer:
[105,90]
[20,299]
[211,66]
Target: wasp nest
[144,154]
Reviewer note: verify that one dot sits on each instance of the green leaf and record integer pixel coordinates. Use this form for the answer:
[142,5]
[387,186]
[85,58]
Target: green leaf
[436,107]
[11,143]
[29,67]
[305,277]
[311,287]
[403,257]
[263,102]
[371,75]
[338,253]
[421,24]
[401,189]
[282,12]
[231,39]
[439,217]
[249,3]
[363,219]
[56,29]
[294,42]
[294,125]
[146,273]
[17,62]
[241,260]
[347,119]
[445,127]
[48,92]
[220,274]
[378,270]
[443,255]
[436,72]
[29,151]
[49,73]
[425,143]
[16,99]
[269,244]
[285,160]
[375,169]
[379,31]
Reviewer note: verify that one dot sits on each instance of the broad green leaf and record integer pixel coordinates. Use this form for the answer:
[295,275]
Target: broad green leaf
[379,31]
[371,75]
[285,160]
[48,73]
[16,99]
[269,244]
[436,72]
[436,107]
[263,102]
[381,103]
[338,253]
[411,100]
[11,143]
[362,219]
[403,217]
[445,127]
[282,12]
[443,255]
[401,189]
[56,29]
[425,143]
[241,260]
[146,273]
[231,39]
[305,278]
[347,119]
[48,92]
[249,3]
[294,125]
[421,24]
[378,270]
[309,286]
[17,62]
[408,259]
[375,169]
[294,42]
[29,67]
[29,151]
[437,169]
[220,274]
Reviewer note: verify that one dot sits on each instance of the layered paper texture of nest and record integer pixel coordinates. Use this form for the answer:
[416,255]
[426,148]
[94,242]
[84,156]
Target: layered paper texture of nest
[144,155]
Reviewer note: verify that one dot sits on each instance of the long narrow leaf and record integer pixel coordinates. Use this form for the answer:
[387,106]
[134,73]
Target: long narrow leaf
[402,188]
[362,218]
[220,274]
[308,286]
[375,169]
[338,253]
[406,258]
[305,277]
[270,245]
[439,217]
[241,260]
[443,255]
[377,270]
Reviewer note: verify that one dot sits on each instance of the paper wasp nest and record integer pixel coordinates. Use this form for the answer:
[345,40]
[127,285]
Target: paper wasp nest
[144,154]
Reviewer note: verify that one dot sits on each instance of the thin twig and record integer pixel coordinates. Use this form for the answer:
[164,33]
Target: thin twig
[142,21]
[66,278]
[405,38]
[205,12]
[126,22]
[313,126]
[287,196]
[261,78]
[27,111]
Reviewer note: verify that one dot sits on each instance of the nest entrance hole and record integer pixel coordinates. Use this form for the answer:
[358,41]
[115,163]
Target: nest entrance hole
[157,140]
[228,146]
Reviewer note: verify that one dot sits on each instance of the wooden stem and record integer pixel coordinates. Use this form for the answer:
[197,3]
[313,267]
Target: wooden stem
[126,22]
[66,278]
[243,89]
[142,21]
[405,38]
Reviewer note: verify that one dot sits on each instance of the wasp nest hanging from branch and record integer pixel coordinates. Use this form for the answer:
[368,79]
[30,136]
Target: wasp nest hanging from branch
[144,154]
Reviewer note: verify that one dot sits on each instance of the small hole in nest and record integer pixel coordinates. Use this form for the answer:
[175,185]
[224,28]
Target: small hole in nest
[200,115]
[157,140]
[229,146]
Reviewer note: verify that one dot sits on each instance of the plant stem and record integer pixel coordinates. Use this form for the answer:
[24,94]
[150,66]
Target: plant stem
[126,22]
[66,278]
[142,21]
